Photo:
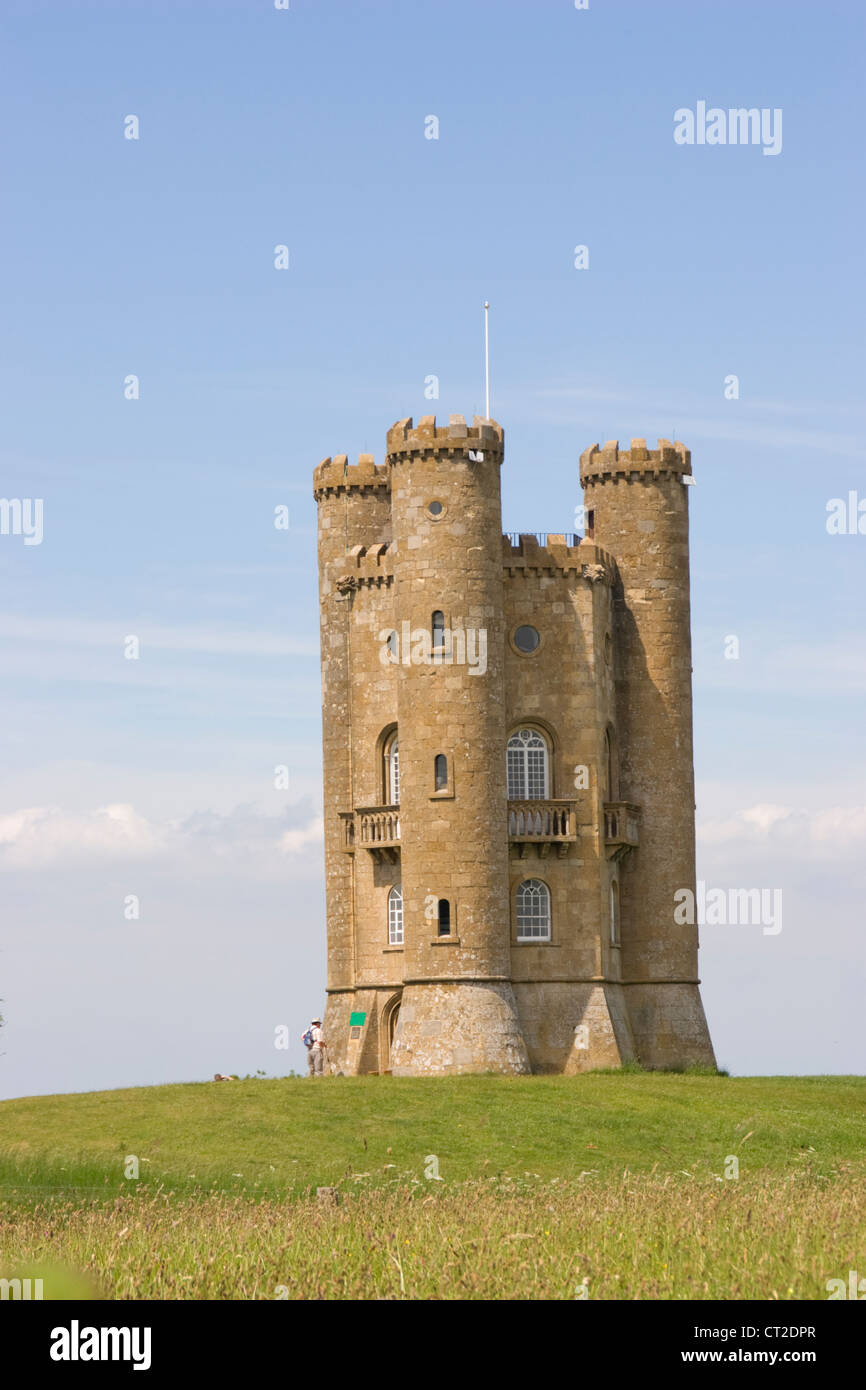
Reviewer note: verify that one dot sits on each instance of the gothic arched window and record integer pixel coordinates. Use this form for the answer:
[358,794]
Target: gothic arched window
[528,766]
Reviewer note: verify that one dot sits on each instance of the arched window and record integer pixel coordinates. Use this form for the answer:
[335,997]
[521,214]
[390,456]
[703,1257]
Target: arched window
[611,771]
[527,763]
[533,911]
[438,630]
[395,917]
[440,773]
[444,917]
[392,772]
[614,913]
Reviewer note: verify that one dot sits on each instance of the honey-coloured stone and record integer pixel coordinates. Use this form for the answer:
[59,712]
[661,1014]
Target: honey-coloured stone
[608,686]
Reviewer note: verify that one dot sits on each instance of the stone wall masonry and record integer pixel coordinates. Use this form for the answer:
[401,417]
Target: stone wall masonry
[614,661]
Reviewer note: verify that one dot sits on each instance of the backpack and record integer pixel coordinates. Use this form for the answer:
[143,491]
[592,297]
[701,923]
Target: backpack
[307,1039]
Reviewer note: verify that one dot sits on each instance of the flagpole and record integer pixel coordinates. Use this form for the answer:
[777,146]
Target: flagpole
[486,359]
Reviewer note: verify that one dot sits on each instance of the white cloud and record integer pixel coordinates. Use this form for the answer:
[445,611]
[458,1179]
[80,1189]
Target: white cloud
[295,841]
[822,833]
[765,816]
[840,825]
[38,836]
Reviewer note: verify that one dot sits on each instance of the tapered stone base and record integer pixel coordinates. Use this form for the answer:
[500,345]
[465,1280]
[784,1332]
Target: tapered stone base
[451,1029]
[336,1029]
[669,1025]
[570,1027]
[564,1028]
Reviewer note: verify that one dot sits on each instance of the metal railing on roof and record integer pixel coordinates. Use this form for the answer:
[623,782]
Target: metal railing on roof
[571,537]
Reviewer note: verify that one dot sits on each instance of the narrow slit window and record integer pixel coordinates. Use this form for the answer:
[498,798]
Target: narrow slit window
[610,764]
[438,630]
[440,772]
[444,917]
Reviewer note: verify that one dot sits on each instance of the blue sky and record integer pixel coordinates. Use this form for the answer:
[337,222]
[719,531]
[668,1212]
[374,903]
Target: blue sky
[155,257]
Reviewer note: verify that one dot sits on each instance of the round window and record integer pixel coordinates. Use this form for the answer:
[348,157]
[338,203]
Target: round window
[435,509]
[526,639]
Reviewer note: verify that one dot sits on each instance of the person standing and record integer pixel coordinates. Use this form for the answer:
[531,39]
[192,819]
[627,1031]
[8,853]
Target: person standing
[314,1041]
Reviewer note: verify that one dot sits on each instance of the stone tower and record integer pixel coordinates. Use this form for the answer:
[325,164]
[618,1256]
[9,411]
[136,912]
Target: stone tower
[509,803]
[637,507]
[458,1006]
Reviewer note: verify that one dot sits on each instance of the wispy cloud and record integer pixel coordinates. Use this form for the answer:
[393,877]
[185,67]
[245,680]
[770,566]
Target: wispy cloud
[743,423]
[790,831]
[219,641]
[37,837]
[297,841]
[802,668]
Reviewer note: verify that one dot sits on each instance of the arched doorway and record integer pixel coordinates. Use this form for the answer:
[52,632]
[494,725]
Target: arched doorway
[390,1014]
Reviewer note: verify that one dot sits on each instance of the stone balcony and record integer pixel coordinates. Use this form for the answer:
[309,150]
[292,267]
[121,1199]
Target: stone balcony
[621,822]
[542,824]
[376,828]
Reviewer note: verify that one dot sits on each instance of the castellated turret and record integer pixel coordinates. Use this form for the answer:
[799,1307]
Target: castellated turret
[637,506]
[507,764]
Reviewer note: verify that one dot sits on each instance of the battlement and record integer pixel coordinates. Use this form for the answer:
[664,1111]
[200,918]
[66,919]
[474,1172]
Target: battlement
[584,558]
[610,461]
[336,475]
[405,438]
[371,564]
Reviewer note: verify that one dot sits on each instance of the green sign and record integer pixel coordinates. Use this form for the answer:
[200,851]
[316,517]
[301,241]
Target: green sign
[357,1020]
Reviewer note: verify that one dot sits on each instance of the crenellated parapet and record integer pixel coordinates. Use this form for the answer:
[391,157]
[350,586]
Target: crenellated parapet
[406,439]
[610,461]
[590,561]
[336,475]
[370,566]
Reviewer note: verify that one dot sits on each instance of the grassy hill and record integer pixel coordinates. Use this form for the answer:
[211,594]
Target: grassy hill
[623,1184]
[284,1136]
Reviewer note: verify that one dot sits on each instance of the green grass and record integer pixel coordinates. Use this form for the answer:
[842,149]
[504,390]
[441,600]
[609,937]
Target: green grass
[619,1178]
[281,1137]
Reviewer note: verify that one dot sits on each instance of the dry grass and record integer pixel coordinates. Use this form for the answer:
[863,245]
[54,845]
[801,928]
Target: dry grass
[618,1180]
[643,1237]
